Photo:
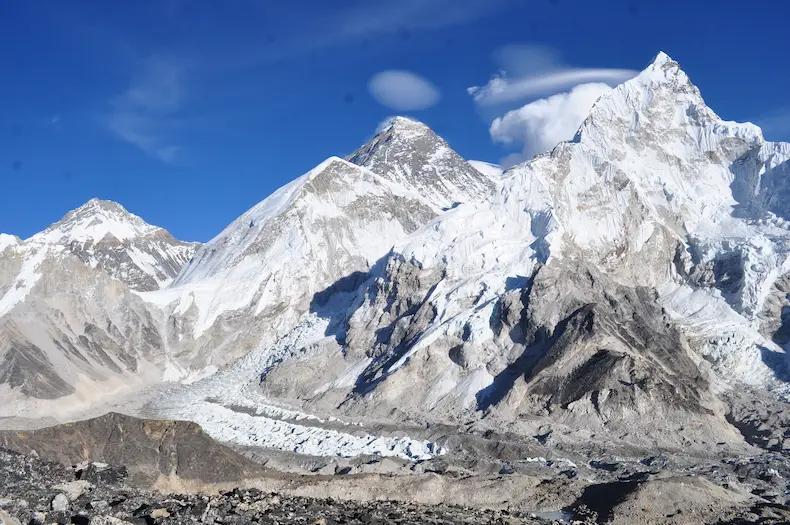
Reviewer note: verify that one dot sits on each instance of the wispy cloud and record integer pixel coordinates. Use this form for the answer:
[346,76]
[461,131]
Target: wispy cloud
[542,124]
[306,27]
[145,112]
[529,71]
[383,16]
[403,90]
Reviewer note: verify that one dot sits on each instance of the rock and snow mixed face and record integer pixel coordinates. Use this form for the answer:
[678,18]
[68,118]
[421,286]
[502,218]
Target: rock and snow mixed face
[411,154]
[103,234]
[69,321]
[590,287]
[251,283]
[637,270]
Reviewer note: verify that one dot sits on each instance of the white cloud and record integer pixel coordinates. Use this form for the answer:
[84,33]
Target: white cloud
[529,71]
[402,90]
[143,114]
[542,124]
[501,89]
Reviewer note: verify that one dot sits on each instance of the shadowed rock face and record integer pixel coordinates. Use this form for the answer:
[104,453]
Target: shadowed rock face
[148,448]
[25,366]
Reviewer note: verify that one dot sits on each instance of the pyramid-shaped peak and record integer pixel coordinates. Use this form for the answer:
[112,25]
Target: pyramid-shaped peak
[408,152]
[95,220]
[405,128]
[96,205]
[651,98]
[664,70]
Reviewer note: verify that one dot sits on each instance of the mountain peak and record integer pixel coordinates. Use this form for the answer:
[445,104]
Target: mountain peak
[104,234]
[399,122]
[410,153]
[95,220]
[96,202]
[661,59]
[661,97]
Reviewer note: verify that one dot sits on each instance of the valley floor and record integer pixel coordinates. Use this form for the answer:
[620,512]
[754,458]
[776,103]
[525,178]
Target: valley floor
[158,471]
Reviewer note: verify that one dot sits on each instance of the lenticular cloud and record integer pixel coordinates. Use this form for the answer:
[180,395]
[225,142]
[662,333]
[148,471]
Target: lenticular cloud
[402,90]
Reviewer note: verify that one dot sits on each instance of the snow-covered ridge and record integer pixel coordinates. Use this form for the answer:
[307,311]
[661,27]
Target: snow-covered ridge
[335,220]
[490,170]
[8,240]
[93,221]
[104,234]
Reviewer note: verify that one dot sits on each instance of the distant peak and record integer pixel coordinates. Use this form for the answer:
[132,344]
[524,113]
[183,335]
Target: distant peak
[96,204]
[401,124]
[662,59]
[95,220]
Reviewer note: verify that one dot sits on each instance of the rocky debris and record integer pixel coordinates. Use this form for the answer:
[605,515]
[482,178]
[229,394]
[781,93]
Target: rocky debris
[30,479]
[763,420]
[147,448]
[74,489]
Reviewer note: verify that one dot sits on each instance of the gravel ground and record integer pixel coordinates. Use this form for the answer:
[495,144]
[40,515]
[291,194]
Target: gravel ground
[36,491]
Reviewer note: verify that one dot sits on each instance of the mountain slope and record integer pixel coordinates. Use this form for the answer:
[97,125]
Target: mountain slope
[250,284]
[253,281]
[622,288]
[617,276]
[70,326]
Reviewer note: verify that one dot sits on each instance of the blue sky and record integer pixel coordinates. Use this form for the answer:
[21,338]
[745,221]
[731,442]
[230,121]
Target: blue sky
[188,113]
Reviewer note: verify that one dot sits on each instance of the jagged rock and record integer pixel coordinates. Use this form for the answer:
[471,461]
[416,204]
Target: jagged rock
[74,489]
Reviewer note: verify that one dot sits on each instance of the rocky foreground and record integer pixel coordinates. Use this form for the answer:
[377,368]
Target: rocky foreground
[36,491]
[40,492]
[120,469]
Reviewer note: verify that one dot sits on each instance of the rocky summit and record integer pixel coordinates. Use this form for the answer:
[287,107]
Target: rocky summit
[599,334]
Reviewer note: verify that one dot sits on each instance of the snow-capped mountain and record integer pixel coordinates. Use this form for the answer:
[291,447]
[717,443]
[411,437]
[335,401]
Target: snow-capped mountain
[70,326]
[102,233]
[620,275]
[251,283]
[623,286]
